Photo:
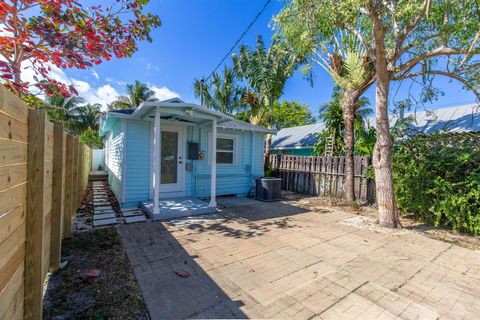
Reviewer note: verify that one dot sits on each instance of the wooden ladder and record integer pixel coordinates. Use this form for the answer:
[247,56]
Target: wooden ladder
[330,145]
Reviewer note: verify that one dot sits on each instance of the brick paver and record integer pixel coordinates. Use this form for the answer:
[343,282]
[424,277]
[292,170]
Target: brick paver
[278,260]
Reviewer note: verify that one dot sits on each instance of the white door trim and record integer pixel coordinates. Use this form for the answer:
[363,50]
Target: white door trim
[178,190]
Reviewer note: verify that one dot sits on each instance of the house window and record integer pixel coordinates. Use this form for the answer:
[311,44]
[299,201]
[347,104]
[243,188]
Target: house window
[225,150]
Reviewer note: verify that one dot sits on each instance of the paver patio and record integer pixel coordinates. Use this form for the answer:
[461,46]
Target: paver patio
[279,260]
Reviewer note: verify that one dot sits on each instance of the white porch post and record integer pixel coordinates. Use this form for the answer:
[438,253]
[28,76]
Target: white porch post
[156,162]
[213,187]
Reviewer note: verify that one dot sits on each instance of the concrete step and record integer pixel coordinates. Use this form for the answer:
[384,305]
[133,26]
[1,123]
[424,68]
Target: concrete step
[103,208]
[97,212]
[105,222]
[101,203]
[132,213]
[135,219]
[102,216]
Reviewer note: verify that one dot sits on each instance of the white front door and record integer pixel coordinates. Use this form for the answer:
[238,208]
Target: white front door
[172,148]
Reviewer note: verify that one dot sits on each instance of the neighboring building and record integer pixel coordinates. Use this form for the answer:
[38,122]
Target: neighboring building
[297,141]
[465,118]
[172,140]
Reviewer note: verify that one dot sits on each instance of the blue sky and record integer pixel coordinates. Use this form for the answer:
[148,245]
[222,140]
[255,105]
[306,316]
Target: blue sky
[194,36]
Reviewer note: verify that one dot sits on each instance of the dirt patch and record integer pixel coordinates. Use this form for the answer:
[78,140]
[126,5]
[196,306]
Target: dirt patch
[370,222]
[97,282]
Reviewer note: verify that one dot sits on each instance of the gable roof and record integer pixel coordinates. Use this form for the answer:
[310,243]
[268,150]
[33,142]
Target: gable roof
[122,111]
[187,110]
[464,118]
[297,137]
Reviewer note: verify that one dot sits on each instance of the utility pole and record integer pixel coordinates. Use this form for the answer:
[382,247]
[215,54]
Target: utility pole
[202,83]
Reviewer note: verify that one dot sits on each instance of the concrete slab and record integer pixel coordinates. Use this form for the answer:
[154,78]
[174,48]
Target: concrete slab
[100,203]
[105,222]
[132,213]
[103,208]
[135,219]
[96,212]
[177,207]
[103,216]
[231,202]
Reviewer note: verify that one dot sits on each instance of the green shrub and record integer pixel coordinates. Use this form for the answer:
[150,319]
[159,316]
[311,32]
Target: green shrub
[91,138]
[437,179]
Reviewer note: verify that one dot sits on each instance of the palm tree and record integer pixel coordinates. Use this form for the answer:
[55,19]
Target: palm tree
[222,94]
[58,107]
[353,72]
[366,136]
[331,114]
[136,94]
[84,117]
[266,72]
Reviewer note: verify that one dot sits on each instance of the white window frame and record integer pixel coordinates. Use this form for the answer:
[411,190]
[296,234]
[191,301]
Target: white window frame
[235,152]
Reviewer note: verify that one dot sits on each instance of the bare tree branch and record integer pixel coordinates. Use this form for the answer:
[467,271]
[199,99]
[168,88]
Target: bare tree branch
[450,75]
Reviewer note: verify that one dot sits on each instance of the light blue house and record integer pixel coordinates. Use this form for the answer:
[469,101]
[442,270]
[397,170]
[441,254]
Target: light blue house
[166,149]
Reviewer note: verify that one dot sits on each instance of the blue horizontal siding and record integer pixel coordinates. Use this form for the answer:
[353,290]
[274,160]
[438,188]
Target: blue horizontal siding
[114,158]
[231,179]
[137,183]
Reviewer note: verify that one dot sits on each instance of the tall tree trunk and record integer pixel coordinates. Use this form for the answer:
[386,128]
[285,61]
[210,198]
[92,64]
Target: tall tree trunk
[348,108]
[382,154]
[266,160]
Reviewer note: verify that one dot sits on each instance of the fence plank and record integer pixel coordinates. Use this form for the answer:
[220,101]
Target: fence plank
[11,297]
[75,176]
[37,149]
[321,176]
[58,197]
[69,204]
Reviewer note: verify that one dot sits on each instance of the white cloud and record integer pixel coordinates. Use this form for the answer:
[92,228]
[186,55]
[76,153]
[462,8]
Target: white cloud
[102,95]
[95,74]
[152,67]
[163,93]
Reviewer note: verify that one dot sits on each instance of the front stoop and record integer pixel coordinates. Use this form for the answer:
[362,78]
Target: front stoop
[177,208]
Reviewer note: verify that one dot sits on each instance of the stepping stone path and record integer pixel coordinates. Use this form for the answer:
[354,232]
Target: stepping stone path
[103,213]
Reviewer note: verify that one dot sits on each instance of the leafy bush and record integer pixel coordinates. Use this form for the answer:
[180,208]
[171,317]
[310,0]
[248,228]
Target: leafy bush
[437,178]
[91,138]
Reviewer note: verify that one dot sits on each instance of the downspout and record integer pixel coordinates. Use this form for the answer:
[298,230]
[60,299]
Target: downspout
[252,163]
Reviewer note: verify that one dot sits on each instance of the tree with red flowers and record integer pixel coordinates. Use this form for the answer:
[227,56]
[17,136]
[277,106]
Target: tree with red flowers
[39,34]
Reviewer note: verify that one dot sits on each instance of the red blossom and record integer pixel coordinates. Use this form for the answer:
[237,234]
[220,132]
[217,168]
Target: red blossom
[67,35]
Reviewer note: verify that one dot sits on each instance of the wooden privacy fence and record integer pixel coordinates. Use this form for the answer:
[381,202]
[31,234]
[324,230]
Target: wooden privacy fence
[322,176]
[43,174]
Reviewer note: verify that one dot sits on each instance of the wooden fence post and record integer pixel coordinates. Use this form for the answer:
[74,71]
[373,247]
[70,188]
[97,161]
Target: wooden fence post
[58,197]
[80,173]
[68,186]
[75,177]
[13,207]
[37,148]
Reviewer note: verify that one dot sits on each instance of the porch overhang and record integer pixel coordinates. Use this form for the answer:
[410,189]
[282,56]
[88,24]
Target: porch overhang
[179,111]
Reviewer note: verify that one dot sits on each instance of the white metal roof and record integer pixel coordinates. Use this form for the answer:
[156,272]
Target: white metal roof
[295,137]
[465,118]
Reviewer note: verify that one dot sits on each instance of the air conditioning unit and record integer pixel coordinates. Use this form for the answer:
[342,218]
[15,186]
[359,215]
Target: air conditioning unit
[268,189]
